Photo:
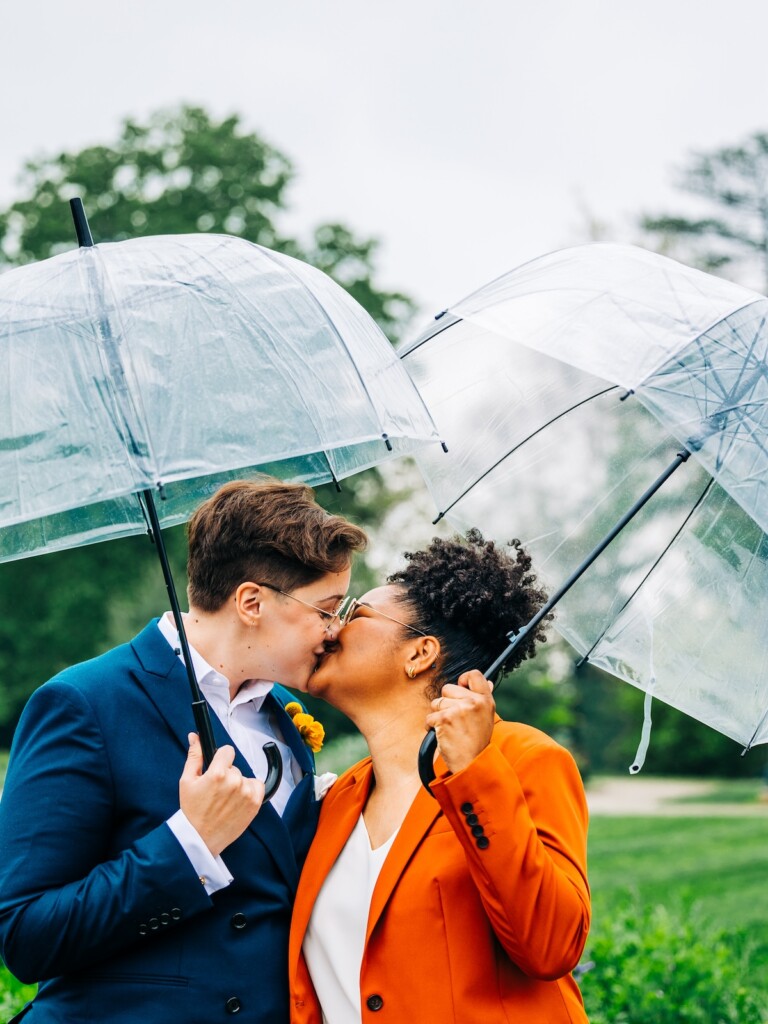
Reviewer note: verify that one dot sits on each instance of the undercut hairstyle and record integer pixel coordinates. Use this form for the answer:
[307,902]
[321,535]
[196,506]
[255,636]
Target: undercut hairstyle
[469,594]
[264,532]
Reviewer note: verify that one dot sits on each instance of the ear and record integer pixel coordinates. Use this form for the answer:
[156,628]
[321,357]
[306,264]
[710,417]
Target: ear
[421,655]
[248,603]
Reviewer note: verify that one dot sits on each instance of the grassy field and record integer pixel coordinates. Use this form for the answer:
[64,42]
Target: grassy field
[719,863]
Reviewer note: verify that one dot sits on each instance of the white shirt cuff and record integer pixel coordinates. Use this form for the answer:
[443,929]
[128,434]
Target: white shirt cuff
[212,871]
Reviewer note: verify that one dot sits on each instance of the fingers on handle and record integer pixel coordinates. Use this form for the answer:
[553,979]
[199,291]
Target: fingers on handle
[194,762]
[475,681]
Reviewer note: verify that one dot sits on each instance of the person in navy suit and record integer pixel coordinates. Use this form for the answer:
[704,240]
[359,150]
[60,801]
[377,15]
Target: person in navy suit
[134,886]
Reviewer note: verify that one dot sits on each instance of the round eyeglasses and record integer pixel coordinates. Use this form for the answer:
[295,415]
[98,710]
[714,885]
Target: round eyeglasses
[328,617]
[350,606]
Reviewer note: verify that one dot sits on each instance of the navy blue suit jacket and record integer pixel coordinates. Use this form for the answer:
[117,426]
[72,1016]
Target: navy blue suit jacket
[98,901]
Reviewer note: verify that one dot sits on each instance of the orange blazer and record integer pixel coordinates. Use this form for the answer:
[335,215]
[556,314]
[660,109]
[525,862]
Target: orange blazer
[481,908]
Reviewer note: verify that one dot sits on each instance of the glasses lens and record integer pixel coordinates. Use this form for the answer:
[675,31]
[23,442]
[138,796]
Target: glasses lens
[346,610]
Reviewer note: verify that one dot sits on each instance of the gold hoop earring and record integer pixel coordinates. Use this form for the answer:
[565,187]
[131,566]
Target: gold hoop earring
[411,672]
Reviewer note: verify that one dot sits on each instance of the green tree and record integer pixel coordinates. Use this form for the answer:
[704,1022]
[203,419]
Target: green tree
[733,239]
[179,171]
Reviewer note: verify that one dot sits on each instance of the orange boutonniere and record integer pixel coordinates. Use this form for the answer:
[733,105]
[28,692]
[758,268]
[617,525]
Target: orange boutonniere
[310,730]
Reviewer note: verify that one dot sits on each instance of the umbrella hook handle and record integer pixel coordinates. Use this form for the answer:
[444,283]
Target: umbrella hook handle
[274,770]
[427,752]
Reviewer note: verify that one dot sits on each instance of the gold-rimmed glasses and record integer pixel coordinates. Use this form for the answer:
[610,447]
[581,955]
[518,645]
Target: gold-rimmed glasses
[350,606]
[329,617]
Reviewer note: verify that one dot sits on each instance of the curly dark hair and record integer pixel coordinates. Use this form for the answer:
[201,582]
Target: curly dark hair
[470,594]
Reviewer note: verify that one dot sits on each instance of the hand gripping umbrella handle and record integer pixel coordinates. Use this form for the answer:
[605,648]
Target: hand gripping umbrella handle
[274,770]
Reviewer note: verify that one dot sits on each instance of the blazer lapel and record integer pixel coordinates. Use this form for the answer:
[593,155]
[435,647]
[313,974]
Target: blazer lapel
[291,734]
[164,680]
[417,822]
[346,809]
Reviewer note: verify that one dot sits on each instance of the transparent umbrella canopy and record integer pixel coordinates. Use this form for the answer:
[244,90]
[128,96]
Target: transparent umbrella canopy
[161,367]
[172,363]
[569,388]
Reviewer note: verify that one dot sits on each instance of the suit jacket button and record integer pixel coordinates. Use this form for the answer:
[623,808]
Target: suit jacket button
[472,819]
[165,918]
[483,842]
[238,921]
[176,913]
[466,808]
[374,1003]
[478,830]
[233,1005]
[154,924]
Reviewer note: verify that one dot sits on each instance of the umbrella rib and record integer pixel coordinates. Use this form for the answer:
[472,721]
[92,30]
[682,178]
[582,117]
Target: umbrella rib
[429,335]
[634,593]
[525,440]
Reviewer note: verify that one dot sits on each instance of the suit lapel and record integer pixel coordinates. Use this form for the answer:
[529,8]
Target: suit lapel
[290,734]
[164,680]
[418,821]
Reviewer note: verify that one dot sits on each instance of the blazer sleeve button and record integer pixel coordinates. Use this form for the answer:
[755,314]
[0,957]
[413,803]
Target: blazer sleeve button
[374,1003]
[154,924]
[233,1005]
[483,842]
[165,918]
[472,819]
[466,808]
[143,929]
[176,913]
[477,830]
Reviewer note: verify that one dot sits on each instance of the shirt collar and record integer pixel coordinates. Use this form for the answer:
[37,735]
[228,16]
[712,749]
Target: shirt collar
[212,682]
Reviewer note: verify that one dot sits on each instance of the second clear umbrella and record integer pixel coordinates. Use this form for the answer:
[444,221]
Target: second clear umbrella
[568,388]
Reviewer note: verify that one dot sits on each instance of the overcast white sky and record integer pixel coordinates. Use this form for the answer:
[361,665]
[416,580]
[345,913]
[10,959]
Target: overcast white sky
[468,137]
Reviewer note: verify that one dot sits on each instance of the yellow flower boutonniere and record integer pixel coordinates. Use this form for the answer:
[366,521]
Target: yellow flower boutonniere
[310,730]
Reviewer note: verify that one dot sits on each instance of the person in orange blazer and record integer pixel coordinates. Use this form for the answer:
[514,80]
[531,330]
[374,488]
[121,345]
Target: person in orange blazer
[469,902]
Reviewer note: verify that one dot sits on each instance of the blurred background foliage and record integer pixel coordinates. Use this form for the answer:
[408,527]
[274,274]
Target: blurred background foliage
[184,171]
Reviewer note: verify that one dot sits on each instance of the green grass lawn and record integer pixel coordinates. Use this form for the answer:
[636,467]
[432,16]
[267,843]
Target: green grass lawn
[719,863]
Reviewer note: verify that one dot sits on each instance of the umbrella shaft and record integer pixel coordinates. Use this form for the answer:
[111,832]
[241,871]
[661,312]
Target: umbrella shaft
[517,638]
[199,706]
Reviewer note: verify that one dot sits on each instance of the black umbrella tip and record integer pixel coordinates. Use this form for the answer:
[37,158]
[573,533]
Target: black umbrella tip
[83,232]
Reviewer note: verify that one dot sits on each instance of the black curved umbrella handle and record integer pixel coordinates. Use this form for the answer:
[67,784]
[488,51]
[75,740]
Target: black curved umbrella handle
[427,752]
[274,770]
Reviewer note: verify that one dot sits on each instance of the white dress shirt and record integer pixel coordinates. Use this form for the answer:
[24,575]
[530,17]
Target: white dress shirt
[335,938]
[250,727]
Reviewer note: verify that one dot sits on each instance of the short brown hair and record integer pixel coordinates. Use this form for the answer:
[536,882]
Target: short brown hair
[264,532]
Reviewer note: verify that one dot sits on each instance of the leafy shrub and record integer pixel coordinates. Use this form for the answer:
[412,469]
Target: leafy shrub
[13,995]
[661,965]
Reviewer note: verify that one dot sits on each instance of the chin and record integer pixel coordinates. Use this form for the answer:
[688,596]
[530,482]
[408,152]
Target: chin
[318,682]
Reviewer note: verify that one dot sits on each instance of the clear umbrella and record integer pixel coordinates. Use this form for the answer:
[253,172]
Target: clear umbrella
[569,388]
[164,366]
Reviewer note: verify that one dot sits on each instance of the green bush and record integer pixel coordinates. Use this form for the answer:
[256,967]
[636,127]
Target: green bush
[661,965]
[13,995]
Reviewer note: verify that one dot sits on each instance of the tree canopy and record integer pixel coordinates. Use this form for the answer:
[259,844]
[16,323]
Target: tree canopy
[733,239]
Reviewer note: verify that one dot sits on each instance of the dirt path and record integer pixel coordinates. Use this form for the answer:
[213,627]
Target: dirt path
[635,795]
